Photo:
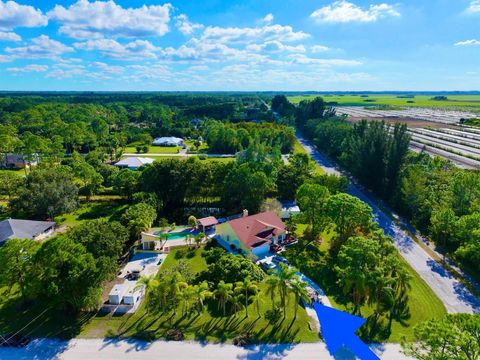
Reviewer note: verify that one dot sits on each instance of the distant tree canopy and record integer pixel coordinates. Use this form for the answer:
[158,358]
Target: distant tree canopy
[231,138]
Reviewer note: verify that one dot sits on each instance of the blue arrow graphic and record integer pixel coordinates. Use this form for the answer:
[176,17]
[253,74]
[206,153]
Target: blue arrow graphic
[338,329]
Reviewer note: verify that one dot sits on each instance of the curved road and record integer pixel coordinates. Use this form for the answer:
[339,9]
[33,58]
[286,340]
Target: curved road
[454,295]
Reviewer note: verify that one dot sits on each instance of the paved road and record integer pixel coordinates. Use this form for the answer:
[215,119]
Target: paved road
[454,295]
[180,155]
[83,349]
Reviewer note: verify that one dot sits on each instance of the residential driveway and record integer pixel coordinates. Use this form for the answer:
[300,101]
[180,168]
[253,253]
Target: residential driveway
[82,349]
[454,295]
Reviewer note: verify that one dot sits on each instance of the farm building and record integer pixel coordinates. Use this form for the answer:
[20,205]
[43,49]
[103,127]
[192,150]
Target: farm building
[252,234]
[25,229]
[133,162]
[168,141]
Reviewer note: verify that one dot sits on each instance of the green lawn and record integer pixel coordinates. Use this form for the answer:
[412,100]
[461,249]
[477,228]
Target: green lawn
[209,325]
[470,102]
[201,149]
[423,302]
[91,210]
[208,159]
[19,172]
[131,149]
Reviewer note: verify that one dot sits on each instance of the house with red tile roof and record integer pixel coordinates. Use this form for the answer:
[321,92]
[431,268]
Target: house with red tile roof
[252,234]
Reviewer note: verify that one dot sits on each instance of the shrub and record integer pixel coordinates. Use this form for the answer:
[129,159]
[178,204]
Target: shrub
[243,340]
[273,315]
[175,335]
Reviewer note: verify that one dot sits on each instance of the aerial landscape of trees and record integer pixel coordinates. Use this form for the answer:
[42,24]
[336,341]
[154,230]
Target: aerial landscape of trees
[102,210]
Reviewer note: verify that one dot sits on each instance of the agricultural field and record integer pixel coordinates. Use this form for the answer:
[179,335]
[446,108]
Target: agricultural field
[470,102]
[460,145]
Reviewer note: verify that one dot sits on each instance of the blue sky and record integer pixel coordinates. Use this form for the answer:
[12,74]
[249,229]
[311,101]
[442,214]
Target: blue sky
[246,45]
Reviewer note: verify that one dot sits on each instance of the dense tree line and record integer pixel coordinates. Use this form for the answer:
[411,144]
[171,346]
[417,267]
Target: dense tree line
[230,138]
[361,260]
[66,271]
[441,200]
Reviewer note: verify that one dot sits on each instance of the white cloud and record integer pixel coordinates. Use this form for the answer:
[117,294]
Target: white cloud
[6,58]
[196,49]
[319,48]
[468,43]
[246,35]
[343,12]
[474,7]
[9,36]
[305,60]
[268,18]
[29,68]
[40,47]
[86,20]
[185,26]
[138,49]
[111,69]
[275,47]
[14,15]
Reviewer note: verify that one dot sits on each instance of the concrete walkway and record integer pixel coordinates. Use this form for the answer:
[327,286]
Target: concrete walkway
[454,295]
[83,349]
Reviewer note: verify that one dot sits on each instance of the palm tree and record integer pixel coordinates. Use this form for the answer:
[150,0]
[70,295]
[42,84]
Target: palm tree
[223,294]
[236,301]
[201,292]
[401,287]
[273,284]
[299,289]
[246,287]
[186,294]
[199,238]
[150,283]
[188,239]
[285,276]
[256,299]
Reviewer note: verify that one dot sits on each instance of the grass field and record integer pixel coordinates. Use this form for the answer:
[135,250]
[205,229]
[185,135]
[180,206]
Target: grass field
[208,159]
[209,325]
[90,211]
[19,172]
[131,149]
[467,102]
[423,302]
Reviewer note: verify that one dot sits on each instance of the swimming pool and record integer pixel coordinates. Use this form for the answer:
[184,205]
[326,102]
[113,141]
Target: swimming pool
[176,235]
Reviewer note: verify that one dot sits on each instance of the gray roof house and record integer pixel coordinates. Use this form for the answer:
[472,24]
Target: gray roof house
[25,229]
[168,141]
[133,162]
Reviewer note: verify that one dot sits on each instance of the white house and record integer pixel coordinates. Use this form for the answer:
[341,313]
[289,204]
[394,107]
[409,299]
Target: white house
[133,162]
[168,141]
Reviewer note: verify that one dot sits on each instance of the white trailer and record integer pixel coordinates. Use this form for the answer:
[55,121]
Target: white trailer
[133,295]
[116,295]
